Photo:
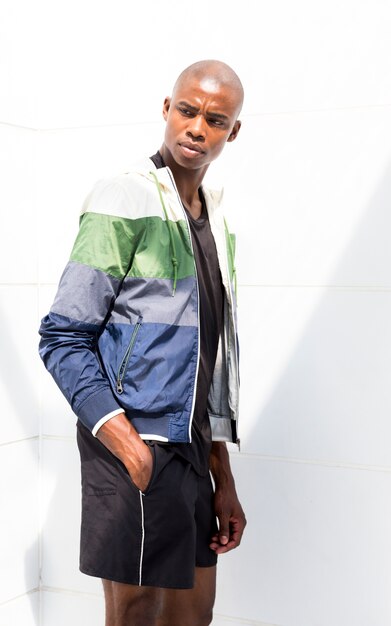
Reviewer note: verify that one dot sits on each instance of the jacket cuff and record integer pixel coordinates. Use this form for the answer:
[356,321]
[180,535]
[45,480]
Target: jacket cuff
[105,419]
[96,407]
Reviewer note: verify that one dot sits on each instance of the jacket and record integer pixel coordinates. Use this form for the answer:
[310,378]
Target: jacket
[122,332]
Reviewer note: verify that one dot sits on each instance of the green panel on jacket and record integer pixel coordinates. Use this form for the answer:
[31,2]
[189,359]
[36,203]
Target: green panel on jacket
[231,245]
[120,246]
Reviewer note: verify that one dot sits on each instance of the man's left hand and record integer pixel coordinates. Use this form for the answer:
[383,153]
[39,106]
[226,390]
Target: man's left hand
[232,520]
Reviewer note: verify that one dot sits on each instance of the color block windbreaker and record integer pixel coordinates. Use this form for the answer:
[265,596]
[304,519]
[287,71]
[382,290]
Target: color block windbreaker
[123,329]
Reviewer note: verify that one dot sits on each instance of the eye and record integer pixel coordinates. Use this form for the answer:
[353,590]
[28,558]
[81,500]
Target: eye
[185,111]
[216,122]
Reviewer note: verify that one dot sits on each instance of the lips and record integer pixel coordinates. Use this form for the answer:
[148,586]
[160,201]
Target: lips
[192,147]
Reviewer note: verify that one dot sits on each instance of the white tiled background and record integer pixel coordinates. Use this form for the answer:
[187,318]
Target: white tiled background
[308,192]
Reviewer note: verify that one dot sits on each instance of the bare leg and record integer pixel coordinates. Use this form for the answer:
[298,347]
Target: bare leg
[190,607]
[129,605]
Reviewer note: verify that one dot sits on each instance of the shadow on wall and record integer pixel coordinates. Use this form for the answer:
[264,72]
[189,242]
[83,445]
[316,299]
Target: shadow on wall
[19,393]
[327,401]
[331,400]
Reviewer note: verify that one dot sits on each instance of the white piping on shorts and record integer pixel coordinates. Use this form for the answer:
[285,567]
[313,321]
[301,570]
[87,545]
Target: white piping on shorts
[142,539]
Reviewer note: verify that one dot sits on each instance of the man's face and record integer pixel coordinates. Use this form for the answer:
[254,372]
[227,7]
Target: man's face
[201,117]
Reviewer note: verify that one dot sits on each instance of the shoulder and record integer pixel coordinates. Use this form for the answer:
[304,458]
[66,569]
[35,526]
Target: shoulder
[127,195]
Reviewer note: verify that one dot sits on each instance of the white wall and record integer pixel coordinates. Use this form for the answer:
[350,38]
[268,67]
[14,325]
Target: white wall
[19,432]
[308,189]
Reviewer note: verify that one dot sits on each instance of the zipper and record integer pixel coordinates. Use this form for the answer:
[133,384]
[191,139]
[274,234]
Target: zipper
[198,302]
[124,363]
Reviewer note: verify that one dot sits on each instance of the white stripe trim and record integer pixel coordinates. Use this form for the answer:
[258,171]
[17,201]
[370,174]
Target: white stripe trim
[142,539]
[153,437]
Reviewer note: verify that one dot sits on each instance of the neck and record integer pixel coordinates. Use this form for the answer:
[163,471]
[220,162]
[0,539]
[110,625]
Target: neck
[187,181]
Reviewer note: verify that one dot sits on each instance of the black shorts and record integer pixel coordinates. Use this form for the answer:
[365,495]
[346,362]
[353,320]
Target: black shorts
[153,538]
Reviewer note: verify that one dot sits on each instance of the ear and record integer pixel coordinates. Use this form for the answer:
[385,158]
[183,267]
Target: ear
[166,107]
[235,130]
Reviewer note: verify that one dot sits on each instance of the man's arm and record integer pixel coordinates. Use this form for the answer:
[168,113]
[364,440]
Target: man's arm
[88,288]
[229,512]
[119,436]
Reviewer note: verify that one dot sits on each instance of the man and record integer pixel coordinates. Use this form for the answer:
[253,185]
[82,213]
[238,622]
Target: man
[141,339]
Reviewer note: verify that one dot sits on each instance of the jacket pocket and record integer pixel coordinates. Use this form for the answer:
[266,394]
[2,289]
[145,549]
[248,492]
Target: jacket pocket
[125,359]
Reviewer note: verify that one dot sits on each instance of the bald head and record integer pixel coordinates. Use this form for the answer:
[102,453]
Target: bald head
[201,116]
[212,75]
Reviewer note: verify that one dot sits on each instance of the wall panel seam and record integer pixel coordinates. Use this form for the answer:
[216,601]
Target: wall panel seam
[22,595]
[319,462]
[16,441]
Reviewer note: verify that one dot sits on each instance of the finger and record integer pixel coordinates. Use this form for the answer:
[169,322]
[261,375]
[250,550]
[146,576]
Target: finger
[219,549]
[142,478]
[237,527]
[235,537]
[224,533]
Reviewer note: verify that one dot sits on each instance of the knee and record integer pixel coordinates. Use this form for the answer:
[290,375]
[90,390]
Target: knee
[136,614]
[208,618]
[132,605]
[188,618]
[205,619]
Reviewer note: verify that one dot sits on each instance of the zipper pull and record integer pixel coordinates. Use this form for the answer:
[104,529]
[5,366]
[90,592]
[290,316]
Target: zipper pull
[120,389]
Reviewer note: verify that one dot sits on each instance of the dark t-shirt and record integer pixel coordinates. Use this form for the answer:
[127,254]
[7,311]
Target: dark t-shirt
[211,313]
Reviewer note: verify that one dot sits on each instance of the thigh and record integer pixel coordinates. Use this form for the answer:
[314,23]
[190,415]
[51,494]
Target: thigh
[129,604]
[153,606]
[190,607]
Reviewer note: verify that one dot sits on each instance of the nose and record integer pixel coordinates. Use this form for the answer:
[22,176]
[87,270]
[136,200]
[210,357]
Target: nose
[196,128]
